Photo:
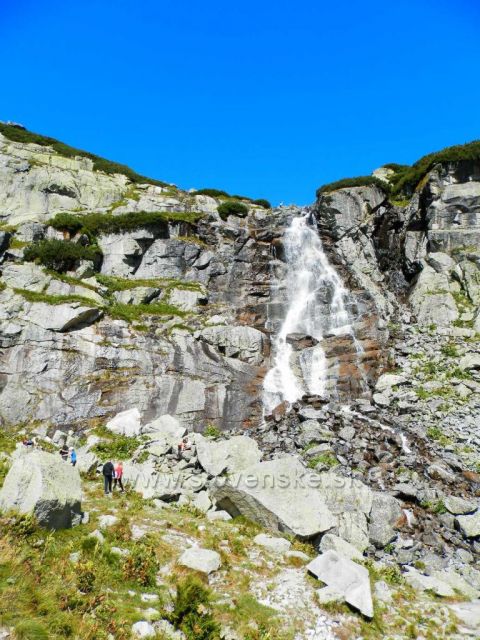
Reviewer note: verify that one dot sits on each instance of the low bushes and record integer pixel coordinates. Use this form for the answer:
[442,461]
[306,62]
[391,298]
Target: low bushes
[191,613]
[16,134]
[94,224]
[60,255]
[232,208]
[360,181]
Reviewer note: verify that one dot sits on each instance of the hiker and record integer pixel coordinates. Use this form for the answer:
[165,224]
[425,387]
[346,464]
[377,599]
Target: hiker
[64,453]
[118,476]
[73,456]
[183,445]
[108,472]
[28,442]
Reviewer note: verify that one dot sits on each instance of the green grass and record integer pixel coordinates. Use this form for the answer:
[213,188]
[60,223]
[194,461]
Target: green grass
[99,164]
[131,313]
[327,459]
[114,446]
[60,255]
[114,283]
[360,181]
[95,224]
[33,296]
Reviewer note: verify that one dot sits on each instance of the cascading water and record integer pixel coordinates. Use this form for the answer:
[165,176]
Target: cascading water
[310,286]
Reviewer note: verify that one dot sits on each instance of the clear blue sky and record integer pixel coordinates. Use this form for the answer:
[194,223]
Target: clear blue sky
[264,98]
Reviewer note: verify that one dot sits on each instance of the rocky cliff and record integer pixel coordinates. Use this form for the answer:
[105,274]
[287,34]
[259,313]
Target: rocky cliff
[121,295]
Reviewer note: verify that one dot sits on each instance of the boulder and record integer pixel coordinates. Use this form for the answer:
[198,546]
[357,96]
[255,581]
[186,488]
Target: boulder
[203,560]
[27,276]
[280,494]
[460,506]
[126,423]
[137,295]
[431,299]
[275,545]
[421,582]
[215,516]
[331,542]
[165,432]
[187,299]
[232,455]
[385,513]
[143,629]
[346,577]
[45,485]
[389,380]
[470,361]
[469,525]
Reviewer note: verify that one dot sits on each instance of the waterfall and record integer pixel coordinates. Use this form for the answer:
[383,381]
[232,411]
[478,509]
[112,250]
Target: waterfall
[309,286]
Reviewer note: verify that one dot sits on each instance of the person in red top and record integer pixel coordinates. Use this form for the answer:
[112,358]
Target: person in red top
[118,476]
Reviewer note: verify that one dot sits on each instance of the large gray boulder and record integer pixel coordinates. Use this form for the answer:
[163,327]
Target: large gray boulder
[348,579]
[279,494]
[431,299]
[385,514]
[45,485]
[198,559]
[231,455]
[164,433]
[126,423]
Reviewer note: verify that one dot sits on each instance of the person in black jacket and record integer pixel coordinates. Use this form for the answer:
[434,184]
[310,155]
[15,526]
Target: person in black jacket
[108,472]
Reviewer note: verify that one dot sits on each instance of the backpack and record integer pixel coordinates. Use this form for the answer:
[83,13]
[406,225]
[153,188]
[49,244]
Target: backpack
[108,469]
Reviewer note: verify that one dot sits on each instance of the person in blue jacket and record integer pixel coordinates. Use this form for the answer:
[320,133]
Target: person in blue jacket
[73,456]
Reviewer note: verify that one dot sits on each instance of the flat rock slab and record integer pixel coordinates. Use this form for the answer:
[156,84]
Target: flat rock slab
[45,485]
[234,454]
[279,494]
[346,578]
[460,506]
[421,582]
[203,560]
[276,545]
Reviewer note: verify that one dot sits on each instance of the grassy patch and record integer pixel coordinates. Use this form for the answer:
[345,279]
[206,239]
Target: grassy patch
[131,313]
[33,296]
[115,447]
[327,459]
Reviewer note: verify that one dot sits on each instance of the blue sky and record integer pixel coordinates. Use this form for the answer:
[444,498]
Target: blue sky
[263,98]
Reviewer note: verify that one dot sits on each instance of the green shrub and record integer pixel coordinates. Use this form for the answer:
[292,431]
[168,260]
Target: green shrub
[213,193]
[232,208]
[191,613]
[261,202]
[114,447]
[86,576]
[360,181]
[408,178]
[30,630]
[211,431]
[94,224]
[141,565]
[60,255]
[99,164]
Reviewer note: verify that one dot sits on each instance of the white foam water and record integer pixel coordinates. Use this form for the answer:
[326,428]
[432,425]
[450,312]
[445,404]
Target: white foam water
[309,278]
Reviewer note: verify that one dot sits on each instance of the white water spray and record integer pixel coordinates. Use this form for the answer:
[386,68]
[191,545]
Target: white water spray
[310,283]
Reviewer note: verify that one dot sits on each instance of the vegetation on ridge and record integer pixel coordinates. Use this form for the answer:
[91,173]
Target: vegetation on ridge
[232,208]
[360,181]
[94,224]
[16,134]
[60,255]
